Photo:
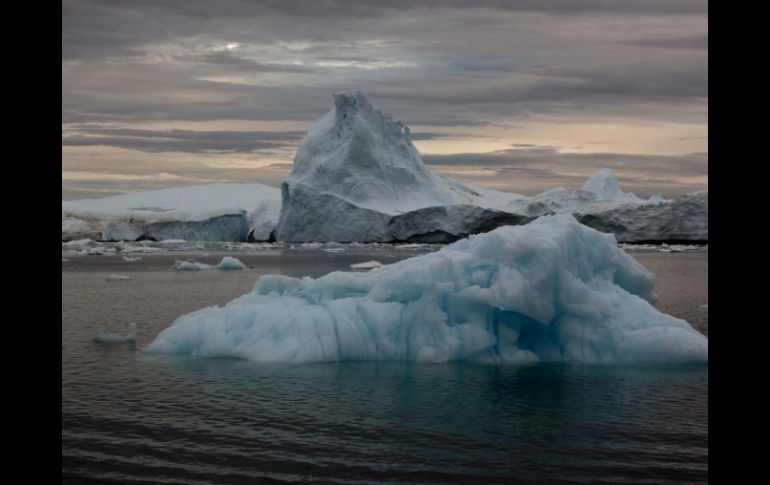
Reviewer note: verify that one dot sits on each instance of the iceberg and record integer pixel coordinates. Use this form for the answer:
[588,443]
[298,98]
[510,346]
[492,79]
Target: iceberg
[213,212]
[602,205]
[679,220]
[552,290]
[358,177]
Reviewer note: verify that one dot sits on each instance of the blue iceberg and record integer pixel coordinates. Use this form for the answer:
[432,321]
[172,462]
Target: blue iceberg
[551,290]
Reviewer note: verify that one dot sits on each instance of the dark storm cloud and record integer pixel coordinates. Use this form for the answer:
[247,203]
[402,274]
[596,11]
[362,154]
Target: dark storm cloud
[183,140]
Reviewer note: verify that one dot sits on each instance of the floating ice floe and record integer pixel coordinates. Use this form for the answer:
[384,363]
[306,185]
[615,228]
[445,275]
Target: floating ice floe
[552,290]
[228,263]
[366,265]
[109,337]
[117,277]
[132,259]
[665,248]
[190,266]
[95,251]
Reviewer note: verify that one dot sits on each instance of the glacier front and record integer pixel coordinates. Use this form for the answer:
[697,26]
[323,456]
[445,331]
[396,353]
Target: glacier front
[551,290]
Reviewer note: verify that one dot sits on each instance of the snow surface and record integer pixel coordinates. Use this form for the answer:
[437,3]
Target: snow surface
[200,212]
[551,290]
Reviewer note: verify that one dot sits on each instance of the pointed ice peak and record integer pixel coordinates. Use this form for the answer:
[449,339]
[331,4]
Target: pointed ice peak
[351,101]
[365,157]
[604,184]
[352,107]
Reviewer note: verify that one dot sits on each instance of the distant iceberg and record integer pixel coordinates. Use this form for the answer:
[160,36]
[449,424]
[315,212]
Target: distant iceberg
[213,212]
[357,177]
[552,290]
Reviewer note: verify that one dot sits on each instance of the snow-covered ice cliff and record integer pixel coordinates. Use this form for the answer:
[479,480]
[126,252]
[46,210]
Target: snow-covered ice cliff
[213,212]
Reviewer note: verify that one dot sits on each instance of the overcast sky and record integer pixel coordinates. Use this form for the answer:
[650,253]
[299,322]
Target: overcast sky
[513,95]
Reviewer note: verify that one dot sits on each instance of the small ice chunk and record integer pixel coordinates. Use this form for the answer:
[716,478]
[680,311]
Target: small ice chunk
[131,260]
[97,251]
[78,243]
[109,337]
[118,277]
[366,265]
[229,263]
[190,265]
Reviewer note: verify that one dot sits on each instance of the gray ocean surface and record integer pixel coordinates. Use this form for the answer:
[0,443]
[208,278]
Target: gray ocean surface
[129,417]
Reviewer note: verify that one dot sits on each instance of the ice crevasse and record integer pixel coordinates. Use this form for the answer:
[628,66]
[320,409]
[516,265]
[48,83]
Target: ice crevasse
[551,290]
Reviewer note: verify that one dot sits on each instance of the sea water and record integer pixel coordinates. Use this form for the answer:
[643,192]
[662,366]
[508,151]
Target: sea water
[128,416]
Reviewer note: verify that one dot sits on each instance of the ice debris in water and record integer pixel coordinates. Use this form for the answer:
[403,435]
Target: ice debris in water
[551,290]
[228,263]
[109,337]
[366,265]
[118,277]
[190,265]
[132,260]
